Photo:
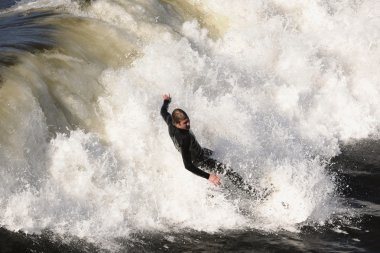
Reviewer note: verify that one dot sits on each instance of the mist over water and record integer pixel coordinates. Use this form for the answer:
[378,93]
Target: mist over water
[273,87]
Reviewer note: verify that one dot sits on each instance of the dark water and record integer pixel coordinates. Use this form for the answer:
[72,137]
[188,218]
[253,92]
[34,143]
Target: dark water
[20,33]
[6,3]
[357,168]
[311,239]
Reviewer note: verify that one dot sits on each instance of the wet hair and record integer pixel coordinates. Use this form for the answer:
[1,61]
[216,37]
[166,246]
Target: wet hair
[178,115]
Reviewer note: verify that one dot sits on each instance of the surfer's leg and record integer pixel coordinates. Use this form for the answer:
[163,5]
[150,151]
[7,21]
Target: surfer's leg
[211,164]
[215,166]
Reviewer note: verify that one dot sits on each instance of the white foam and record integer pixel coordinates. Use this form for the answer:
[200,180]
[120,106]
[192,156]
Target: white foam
[273,97]
[25,5]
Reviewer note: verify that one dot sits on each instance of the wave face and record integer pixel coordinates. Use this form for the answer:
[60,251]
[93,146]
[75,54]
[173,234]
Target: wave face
[274,87]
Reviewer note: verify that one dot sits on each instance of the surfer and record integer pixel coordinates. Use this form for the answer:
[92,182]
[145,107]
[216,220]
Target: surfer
[193,155]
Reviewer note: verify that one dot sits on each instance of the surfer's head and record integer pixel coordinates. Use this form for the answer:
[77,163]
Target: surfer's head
[180,119]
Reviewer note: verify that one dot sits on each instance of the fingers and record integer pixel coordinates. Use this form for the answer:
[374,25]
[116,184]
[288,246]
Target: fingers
[215,180]
[166,96]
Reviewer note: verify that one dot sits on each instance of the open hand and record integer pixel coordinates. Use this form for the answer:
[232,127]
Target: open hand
[167,97]
[214,179]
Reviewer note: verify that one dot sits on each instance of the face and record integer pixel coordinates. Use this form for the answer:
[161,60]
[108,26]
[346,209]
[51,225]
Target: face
[183,124]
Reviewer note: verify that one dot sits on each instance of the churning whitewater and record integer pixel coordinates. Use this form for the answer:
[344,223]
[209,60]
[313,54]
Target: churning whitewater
[274,87]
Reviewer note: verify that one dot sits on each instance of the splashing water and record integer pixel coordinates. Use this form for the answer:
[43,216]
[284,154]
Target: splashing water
[272,86]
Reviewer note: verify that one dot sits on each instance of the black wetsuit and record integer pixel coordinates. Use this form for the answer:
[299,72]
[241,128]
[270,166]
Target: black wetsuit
[194,156]
[186,144]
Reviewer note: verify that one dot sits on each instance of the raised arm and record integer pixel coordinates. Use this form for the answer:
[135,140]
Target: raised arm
[164,109]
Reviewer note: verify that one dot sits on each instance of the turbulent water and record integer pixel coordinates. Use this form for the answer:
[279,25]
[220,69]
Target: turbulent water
[285,92]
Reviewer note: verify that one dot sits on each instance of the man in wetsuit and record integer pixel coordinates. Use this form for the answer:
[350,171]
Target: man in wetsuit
[193,155]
